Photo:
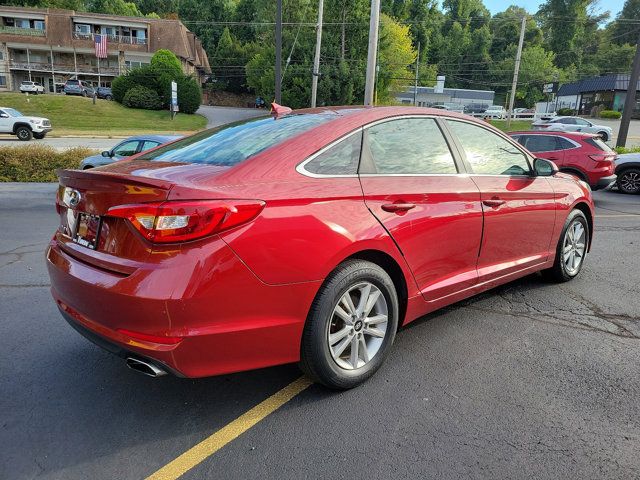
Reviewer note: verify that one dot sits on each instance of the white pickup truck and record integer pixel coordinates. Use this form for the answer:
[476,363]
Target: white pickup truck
[31,87]
[25,128]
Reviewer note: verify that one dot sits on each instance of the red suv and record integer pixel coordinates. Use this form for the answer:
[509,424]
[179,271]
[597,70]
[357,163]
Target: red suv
[312,237]
[581,154]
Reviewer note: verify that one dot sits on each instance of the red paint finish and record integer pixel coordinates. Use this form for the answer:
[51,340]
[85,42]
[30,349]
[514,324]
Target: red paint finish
[237,298]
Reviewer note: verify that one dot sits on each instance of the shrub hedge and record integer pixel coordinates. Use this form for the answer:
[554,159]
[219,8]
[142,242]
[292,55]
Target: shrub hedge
[566,112]
[610,114]
[38,163]
[142,97]
[627,150]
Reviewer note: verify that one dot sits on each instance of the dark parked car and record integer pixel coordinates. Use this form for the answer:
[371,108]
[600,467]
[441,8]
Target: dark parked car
[475,108]
[78,87]
[104,92]
[127,148]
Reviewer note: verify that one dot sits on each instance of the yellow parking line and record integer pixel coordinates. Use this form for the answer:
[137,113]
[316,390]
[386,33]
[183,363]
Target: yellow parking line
[231,431]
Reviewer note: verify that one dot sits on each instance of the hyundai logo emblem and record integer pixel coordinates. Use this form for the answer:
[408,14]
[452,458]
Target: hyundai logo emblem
[72,197]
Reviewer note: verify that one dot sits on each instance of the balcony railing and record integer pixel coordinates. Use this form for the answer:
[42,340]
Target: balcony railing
[125,39]
[33,32]
[46,67]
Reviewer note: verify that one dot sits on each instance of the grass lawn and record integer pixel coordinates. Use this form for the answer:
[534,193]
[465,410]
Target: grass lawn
[516,125]
[71,115]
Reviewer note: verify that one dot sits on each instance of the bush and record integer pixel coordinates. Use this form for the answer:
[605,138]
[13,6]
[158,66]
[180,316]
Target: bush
[627,150]
[189,94]
[566,112]
[119,87]
[142,97]
[610,114]
[165,61]
[38,163]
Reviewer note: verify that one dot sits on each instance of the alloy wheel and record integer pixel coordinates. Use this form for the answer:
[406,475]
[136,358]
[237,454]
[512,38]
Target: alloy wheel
[358,326]
[574,247]
[630,182]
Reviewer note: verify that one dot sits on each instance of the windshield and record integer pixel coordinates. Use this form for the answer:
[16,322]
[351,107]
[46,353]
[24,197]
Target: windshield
[231,144]
[13,112]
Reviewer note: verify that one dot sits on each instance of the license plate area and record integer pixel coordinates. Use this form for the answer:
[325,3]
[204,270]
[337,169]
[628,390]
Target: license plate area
[85,228]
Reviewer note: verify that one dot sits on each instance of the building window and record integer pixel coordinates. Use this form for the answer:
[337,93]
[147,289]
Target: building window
[134,64]
[1,55]
[3,81]
[22,23]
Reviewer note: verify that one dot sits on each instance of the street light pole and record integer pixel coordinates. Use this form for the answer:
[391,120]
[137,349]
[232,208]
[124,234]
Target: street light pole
[415,86]
[316,59]
[516,70]
[370,81]
[278,72]
[630,100]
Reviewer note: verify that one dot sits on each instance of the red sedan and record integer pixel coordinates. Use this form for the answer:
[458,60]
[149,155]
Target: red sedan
[307,237]
[581,154]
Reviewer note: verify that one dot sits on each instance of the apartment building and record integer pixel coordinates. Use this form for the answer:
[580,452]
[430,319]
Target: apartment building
[50,46]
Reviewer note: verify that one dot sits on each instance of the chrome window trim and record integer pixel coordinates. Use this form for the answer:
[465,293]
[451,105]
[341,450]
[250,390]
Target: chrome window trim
[303,171]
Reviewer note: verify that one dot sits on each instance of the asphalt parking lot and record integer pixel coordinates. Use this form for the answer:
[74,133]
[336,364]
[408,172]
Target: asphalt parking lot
[530,380]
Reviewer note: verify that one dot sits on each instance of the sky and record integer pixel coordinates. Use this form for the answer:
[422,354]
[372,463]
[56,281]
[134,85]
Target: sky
[495,6]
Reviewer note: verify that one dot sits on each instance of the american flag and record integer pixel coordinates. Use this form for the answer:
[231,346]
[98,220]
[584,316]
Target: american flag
[100,42]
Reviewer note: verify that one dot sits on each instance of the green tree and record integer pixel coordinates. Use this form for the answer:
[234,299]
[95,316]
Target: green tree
[625,31]
[396,57]
[165,61]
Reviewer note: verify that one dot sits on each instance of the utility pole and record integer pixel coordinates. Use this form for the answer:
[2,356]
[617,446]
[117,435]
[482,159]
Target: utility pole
[374,21]
[415,87]
[516,69]
[316,59]
[278,86]
[630,101]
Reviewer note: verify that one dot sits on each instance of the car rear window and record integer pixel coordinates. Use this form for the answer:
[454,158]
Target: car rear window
[72,82]
[599,144]
[231,144]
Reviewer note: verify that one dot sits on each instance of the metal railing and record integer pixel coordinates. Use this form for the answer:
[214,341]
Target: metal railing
[125,39]
[33,32]
[46,67]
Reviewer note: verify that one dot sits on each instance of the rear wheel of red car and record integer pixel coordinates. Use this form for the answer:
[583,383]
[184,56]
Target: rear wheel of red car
[571,249]
[628,181]
[351,325]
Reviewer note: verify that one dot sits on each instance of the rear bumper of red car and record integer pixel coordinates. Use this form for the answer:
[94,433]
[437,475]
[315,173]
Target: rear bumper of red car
[214,323]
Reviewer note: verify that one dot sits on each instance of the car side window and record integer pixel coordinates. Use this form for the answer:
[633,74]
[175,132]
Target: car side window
[541,143]
[339,159]
[565,144]
[568,121]
[148,145]
[126,149]
[487,152]
[408,146]
[579,121]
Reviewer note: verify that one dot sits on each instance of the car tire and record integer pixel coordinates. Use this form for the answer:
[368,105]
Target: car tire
[39,136]
[628,180]
[108,97]
[84,93]
[24,133]
[573,239]
[343,344]
[604,136]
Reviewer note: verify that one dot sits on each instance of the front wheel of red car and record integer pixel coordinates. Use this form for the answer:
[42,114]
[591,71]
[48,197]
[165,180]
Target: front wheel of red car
[351,325]
[571,249]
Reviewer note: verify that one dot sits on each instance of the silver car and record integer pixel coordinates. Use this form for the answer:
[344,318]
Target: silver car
[573,124]
[127,148]
[628,172]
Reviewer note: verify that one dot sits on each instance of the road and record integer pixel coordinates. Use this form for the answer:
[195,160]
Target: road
[215,116]
[530,380]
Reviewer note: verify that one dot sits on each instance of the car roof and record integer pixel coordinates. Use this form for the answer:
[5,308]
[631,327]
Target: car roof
[158,138]
[557,133]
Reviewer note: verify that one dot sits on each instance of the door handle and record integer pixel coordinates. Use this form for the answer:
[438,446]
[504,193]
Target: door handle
[552,158]
[493,202]
[397,207]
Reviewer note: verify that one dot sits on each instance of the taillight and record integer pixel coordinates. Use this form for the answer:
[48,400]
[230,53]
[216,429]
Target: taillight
[602,157]
[182,221]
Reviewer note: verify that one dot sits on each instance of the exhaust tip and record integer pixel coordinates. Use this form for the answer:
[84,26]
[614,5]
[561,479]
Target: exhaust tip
[144,367]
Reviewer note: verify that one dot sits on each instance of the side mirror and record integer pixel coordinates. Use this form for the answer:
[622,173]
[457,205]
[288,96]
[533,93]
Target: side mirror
[106,154]
[4,115]
[544,167]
